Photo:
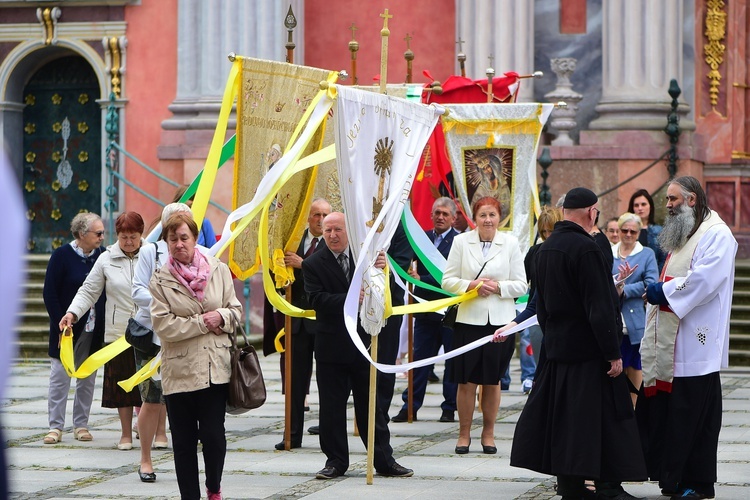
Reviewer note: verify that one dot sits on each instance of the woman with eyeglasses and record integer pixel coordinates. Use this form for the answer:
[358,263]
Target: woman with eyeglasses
[67,269]
[629,250]
[113,274]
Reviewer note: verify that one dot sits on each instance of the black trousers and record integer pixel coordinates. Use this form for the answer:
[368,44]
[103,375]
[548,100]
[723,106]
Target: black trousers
[335,381]
[193,416]
[680,433]
[388,340]
[302,365]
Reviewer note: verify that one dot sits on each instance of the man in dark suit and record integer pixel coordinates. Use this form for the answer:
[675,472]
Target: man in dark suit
[340,367]
[303,330]
[429,332]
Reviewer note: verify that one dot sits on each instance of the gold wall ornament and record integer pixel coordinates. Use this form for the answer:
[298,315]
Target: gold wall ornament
[57,127]
[716,24]
[82,127]
[56,156]
[83,185]
[30,157]
[112,46]
[30,186]
[83,156]
[56,99]
[57,243]
[48,19]
[83,98]
[30,128]
[30,245]
[56,185]
[56,214]
[30,214]
[29,100]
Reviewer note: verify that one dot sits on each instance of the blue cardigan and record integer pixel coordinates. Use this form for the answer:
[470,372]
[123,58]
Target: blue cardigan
[633,307]
[66,272]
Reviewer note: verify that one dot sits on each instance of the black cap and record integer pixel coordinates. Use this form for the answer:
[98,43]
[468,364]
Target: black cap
[580,197]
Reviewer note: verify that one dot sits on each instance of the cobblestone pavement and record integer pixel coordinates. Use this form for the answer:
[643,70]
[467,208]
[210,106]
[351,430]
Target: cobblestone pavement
[253,469]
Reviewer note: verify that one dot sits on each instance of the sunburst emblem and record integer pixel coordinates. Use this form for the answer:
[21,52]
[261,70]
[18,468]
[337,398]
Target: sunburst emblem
[56,214]
[383,163]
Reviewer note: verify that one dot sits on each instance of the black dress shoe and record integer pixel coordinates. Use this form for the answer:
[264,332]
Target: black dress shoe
[463,450]
[402,416]
[396,470]
[147,477]
[328,473]
[489,450]
[281,446]
[314,430]
[447,416]
[432,378]
[624,495]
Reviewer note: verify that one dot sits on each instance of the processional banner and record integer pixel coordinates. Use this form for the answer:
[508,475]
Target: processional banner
[379,140]
[492,149]
[273,97]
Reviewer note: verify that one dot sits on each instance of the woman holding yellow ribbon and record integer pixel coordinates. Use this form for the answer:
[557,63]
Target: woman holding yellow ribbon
[193,307]
[67,269]
[113,274]
[491,260]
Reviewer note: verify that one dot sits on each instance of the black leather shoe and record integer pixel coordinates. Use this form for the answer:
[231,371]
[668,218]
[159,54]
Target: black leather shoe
[463,450]
[314,430]
[489,450]
[432,378]
[147,477]
[624,495]
[280,446]
[328,473]
[448,416]
[396,470]
[402,416]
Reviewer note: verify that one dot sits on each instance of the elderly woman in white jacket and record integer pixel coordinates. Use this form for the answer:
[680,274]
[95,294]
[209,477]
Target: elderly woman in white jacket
[492,260]
[113,274]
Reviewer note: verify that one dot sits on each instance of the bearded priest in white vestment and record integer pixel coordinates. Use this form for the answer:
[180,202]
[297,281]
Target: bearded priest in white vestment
[686,344]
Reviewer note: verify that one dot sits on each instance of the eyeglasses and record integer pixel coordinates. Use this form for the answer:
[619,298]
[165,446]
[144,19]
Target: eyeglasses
[99,234]
[596,221]
[629,231]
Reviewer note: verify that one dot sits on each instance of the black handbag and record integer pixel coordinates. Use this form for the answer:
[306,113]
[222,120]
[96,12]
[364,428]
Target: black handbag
[247,389]
[141,338]
[449,320]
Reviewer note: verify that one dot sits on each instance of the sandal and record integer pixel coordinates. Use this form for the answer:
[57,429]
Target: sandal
[54,436]
[82,434]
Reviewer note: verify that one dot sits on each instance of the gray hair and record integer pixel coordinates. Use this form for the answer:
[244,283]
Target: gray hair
[629,217]
[445,202]
[172,209]
[82,222]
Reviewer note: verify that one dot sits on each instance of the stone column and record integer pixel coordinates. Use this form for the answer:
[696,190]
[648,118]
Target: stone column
[503,29]
[208,30]
[641,52]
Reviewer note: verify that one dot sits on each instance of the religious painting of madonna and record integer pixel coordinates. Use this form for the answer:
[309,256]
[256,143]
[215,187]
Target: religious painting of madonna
[489,172]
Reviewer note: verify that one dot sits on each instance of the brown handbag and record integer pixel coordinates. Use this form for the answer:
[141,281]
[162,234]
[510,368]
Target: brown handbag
[247,389]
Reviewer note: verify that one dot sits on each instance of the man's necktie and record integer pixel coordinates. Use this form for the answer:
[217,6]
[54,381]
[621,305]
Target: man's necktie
[310,250]
[344,263]
[438,239]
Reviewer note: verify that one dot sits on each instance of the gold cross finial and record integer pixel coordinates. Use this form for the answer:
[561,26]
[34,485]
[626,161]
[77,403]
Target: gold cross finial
[460,44]
[385,17]
[408,39]
[353,28]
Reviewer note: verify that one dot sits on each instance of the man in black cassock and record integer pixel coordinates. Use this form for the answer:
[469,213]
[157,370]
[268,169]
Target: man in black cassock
[578,422]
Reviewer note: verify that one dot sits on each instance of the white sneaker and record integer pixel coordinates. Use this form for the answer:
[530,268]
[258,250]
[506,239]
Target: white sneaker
[527,385]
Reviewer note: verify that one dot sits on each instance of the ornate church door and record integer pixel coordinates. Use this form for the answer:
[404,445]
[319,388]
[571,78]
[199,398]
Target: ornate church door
[62,150]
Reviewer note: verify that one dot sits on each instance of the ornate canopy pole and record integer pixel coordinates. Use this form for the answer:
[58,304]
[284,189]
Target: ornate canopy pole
[409,56]
[461,56]
[290,22]
[490,77]
[353,48]
[384,34]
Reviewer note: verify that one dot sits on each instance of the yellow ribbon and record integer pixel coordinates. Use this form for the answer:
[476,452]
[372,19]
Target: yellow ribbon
[435,305]
[93,362]
[277,341]
[203,193]
[141,375]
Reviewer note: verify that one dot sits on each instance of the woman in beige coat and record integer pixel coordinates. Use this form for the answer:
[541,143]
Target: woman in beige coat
[491,260]
[193,307]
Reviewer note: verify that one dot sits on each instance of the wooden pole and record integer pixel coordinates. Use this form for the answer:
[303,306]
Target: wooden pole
[409,56]
[288,375]
[410,373]
[353,48]
[384,33]
[290,22]
[461,56]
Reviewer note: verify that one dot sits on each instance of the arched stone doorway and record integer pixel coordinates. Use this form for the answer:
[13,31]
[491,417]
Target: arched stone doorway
[61,149]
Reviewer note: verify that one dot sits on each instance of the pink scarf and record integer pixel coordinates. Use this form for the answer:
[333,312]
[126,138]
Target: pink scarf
[193,276]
